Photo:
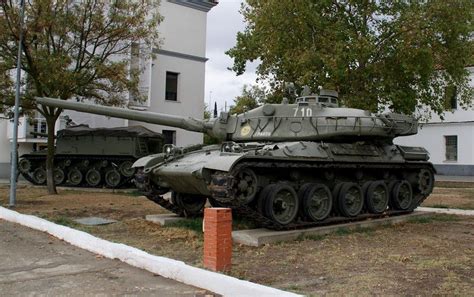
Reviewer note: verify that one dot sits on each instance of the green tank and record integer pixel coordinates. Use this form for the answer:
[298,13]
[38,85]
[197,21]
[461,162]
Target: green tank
[93,157]
[286,165]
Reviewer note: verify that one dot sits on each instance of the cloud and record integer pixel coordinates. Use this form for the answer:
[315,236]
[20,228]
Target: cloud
[222,85]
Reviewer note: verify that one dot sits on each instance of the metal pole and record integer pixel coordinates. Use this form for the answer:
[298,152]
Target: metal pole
[14,149]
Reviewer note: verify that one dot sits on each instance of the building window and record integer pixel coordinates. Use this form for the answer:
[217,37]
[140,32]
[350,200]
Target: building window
[450,97]
[451,147]
[171,86]
[169,136]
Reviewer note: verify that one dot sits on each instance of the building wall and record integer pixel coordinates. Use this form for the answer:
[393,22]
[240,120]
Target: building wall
[431,135]
[183,29]
[183,51]
[4,150]
[190,100]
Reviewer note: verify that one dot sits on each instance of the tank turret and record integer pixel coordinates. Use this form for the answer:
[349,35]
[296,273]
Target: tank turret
[311,118]
[285,165]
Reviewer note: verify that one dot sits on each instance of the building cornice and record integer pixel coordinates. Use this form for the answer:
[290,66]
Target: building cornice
[202,5]
[180,55]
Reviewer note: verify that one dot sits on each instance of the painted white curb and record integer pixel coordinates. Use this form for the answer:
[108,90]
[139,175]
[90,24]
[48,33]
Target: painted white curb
[455,211]
[169,268]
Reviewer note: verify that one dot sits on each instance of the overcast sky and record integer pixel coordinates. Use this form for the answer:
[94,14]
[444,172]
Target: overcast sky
[223,23]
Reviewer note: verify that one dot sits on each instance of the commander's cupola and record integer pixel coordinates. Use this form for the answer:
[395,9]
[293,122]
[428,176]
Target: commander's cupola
[326,98]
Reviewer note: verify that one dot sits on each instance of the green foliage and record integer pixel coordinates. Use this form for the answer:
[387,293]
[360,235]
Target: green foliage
[64,221]
[251,97]
[208,140]
[434,218]
[193,224]
[401,54]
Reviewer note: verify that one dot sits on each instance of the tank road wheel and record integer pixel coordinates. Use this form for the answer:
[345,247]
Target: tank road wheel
[192,205]
[112,178]
[39,176]
[425,181]
[59,176]
[126,168]
[301,192]
[93,177]
[350,199]
[262,198]
[246,185]
[281,204]
[24,166]
[317,202]
[74,176]
[377,196]
[402,195]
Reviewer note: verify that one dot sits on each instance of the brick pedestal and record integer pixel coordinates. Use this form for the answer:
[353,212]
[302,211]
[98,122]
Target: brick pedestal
[217,238]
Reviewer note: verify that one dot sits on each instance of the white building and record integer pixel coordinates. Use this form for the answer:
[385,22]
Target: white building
[449,141]
[173,81]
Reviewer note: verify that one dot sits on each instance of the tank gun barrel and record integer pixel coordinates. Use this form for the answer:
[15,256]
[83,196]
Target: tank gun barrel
[190,124]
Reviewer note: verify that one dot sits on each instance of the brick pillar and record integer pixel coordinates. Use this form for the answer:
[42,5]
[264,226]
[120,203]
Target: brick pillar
[218,238]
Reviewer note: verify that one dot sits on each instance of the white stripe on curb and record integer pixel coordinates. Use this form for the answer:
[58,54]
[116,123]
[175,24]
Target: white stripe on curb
[455,211]
[169,268]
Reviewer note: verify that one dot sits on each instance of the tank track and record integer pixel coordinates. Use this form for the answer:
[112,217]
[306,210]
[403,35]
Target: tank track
[125,181]
[222,187]
[145,188]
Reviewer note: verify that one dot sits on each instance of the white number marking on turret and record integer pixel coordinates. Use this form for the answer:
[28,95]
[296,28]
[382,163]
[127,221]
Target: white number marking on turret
[305,111]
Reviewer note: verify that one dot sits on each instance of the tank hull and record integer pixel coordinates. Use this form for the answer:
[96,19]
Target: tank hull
[93,157]
[240,179]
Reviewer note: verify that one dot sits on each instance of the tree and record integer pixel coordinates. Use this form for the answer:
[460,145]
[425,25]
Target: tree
[251,97]
[75,49]
[401,54]
[208,140]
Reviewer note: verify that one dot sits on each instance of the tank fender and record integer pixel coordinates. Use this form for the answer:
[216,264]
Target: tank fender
[149,161]
[223,162]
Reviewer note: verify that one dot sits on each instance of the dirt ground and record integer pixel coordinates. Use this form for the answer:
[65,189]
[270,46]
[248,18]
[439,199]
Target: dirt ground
[451,198]
[425,256]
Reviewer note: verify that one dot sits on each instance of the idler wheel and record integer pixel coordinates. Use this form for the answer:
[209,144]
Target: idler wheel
[281,204]
[93,177]
[377,196]
[112,178]
[425,181]
[246,185]
[350,199]
[402,195]
[59,176]
[316,202]
[39,176]
[24,165]
[74,176]
[126,168]
[191,205]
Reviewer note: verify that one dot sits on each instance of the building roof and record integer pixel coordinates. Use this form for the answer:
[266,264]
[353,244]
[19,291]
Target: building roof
[203,5]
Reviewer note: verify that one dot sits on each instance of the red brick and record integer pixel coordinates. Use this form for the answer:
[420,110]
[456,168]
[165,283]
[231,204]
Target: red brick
[217,238]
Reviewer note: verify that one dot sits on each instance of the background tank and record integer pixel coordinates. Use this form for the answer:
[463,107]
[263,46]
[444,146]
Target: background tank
[287,165]
[93,157]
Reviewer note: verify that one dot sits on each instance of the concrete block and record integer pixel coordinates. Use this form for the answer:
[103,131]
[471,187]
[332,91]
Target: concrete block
[164,219]
[259,237]
[94,221]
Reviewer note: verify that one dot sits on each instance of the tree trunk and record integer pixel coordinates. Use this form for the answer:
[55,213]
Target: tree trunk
[50,121]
